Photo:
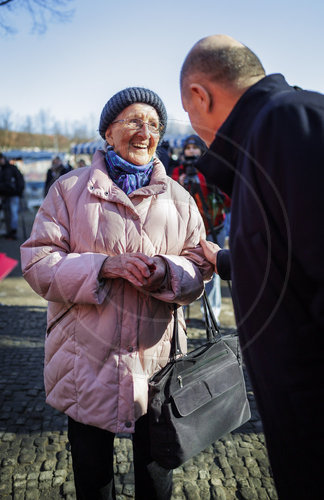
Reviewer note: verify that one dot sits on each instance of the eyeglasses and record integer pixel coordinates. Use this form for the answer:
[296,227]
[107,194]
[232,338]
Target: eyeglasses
[137,124]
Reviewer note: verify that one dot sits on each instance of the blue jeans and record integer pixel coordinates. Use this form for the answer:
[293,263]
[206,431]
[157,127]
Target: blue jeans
[11,211]
[227,223]
[213,287]
[14,207]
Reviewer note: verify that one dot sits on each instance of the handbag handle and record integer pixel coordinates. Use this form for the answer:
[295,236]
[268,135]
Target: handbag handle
[175,345]
[212,330]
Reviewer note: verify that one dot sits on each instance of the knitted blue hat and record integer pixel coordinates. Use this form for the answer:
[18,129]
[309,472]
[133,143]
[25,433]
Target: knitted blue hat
[194,139]
[125,98]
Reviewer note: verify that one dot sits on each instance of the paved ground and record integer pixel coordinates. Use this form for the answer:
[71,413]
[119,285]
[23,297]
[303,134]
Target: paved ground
[35,461]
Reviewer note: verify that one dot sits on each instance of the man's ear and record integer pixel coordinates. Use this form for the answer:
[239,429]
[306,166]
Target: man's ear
[108,136]
[200,96]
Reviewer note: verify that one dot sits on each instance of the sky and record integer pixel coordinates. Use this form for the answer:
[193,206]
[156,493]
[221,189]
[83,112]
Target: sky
[74,68]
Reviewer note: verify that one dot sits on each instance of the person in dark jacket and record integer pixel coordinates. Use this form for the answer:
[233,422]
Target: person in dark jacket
[12,185]
[268,156]
[54,172]
[211,203]
[164,153]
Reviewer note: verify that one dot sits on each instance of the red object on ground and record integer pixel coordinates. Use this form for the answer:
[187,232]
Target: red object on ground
[7,264]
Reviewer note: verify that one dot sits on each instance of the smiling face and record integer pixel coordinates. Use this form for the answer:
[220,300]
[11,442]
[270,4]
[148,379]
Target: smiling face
[135,146]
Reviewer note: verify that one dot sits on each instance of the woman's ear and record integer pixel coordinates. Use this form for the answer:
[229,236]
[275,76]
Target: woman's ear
[108,137]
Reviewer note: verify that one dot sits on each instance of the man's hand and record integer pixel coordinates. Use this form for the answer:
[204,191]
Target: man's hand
[134,267]
[210,250]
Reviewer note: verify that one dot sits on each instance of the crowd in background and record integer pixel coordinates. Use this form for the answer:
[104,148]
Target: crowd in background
[213,204]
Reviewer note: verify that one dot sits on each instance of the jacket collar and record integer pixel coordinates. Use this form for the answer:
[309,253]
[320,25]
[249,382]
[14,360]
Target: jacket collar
[219,162]
[101,185]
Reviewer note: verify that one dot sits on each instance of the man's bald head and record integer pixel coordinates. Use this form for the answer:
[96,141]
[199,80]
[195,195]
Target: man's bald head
[222,60]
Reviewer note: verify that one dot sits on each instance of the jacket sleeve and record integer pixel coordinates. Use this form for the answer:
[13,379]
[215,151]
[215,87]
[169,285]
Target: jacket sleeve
[48,265]
[19,181]
[224,264]
[187,271]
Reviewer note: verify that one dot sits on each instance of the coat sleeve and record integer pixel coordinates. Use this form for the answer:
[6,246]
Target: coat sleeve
[224,264]
[187,271]
[48,265]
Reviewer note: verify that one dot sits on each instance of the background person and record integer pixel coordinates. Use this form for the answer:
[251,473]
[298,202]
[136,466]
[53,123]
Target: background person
[12,185]
[81,163]
[210,201]
[112,248]
[54,172]
[268,156]
[164,153]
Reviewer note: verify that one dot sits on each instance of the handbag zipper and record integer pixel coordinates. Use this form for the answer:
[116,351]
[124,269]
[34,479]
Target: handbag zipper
[180,378]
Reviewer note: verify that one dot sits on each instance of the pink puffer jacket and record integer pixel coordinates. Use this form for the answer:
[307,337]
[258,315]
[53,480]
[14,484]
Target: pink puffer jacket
[105,339]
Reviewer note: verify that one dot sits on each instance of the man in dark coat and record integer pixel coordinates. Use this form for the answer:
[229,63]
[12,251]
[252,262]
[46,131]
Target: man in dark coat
[268,156]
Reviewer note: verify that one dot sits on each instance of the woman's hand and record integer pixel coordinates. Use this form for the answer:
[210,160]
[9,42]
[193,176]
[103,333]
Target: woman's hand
[134,267]
[210,250]
[158,274]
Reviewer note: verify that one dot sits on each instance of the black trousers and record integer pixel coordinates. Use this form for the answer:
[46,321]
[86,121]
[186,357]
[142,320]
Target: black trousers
[92,457]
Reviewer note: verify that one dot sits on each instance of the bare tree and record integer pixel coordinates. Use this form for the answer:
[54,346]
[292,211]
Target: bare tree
[27,125]
[178,127]
[5,119]
[79,131]
[43,121]
[41,13]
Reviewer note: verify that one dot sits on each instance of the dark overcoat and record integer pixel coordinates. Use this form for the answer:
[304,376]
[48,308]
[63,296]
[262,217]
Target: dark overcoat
[268,156]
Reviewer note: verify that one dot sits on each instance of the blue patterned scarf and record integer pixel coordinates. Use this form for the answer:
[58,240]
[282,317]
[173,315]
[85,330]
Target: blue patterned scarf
[127,176]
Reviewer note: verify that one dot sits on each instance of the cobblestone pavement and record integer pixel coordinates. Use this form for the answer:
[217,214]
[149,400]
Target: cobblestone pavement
[35,459]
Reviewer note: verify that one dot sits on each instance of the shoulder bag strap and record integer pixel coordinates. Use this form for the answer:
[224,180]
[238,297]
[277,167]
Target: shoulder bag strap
[212,330]
[175,343]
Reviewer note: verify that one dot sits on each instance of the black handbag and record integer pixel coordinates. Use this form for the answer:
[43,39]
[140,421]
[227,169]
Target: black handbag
[197,397]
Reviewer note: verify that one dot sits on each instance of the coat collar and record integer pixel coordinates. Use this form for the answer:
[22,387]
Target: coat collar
[101,185]
[219,163]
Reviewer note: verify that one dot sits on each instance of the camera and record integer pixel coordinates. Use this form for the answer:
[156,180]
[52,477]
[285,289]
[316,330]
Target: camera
[190,170]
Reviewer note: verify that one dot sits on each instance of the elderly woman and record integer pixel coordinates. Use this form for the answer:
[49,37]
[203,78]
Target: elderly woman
[112,248]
